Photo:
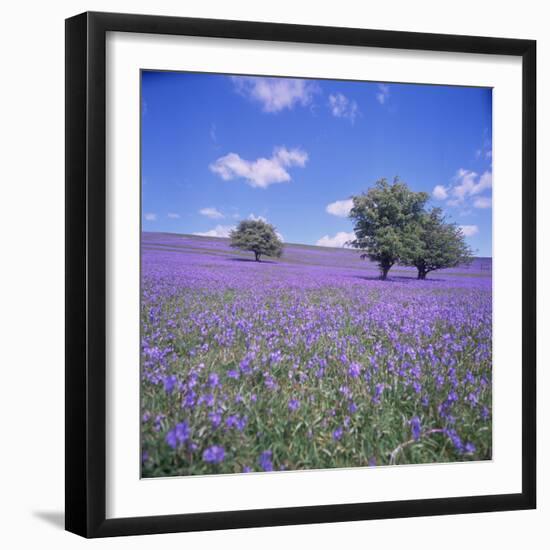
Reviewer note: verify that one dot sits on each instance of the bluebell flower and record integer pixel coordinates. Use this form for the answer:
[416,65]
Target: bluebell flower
[213,380]
[169,383]
[294,404]
[214,454]
[178,435]
[265,461]
[354,370]
[416,427]
[215,418]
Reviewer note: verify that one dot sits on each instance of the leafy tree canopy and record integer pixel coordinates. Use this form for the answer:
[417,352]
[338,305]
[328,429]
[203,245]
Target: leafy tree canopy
[257,236]
[436,245]
[385,222]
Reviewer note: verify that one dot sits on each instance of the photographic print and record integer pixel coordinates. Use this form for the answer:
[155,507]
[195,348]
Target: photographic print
[316,274]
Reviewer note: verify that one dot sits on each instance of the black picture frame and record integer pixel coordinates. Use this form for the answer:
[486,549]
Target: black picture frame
[86,274]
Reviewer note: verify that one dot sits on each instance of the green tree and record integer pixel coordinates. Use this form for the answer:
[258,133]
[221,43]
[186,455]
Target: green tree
[385,218]
[257,236]
[436,245]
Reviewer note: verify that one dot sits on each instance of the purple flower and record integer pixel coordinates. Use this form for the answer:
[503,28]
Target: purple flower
[178,435]
[213,380]
[169,383]
[455,440]
[469,448]
[234,421]
[265,461]
[294,404]
[269,382]
[354,370]
[241,423]
[215,418]
[345,391]
[416,427]
[214,454]
[378,390]
[233,374]
[337,433]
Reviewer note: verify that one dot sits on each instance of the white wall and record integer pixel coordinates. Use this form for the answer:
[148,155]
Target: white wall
[31,272]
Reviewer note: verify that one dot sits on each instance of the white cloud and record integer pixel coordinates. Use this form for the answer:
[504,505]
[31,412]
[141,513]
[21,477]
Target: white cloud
[464,188]
[440,192]
[275,94]
[465,183]
[150,216]
[469,230]
[173,215]
[340,208]
[383,93]
[342,107]
[485,182]
[261,172]
[337,241]
[218,231]
[468,183]
[212,213]
[454,202]
[483,202]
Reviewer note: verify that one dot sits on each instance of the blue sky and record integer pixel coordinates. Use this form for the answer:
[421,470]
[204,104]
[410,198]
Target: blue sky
[217,149]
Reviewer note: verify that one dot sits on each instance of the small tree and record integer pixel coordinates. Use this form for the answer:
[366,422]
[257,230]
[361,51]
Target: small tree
[257,236]
[384,219]
[437,245]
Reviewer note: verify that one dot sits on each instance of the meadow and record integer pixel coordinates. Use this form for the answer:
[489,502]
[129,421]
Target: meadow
[308,361]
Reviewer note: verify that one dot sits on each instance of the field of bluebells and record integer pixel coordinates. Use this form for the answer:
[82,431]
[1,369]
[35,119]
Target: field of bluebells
[308,361]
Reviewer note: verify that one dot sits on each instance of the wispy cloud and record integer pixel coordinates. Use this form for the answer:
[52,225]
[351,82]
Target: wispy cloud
[173,216]
[212,213]
[483,202]
[336,241]
[261,172]
[440,192]
[213,133]
[275,94]
[150,216]
[342,107]
[469,230]
[218,231]
[383,93]
[465,188]
[486,150]
[340,208]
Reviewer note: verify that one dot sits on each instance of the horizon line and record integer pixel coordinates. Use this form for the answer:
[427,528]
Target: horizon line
[284,243]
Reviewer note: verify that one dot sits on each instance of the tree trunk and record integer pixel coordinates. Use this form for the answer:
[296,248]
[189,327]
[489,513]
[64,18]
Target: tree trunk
[257,255]
[422,274]
[384,269]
